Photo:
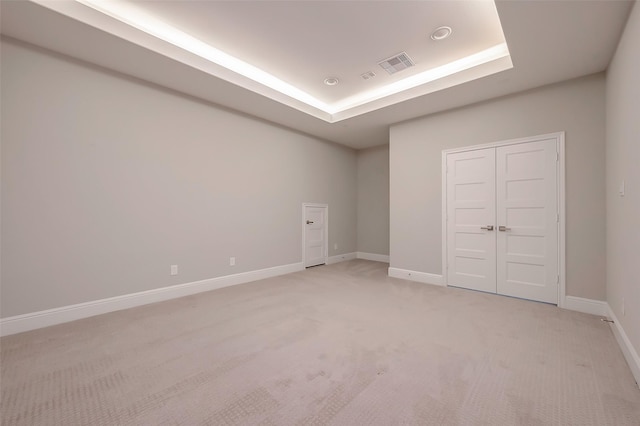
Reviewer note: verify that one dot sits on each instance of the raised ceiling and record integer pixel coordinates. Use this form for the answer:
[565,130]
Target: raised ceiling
[300,44]
[283,51]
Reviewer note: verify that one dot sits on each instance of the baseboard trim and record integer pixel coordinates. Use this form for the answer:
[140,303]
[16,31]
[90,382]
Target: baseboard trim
[372,256]
[35,320]
[587,306]
[341,258]
[421,277]
[629,352]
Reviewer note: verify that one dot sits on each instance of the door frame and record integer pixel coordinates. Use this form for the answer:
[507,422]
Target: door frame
[560,171]
[326,231]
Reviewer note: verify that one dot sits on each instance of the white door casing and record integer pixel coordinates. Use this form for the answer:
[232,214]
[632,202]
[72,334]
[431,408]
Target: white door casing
[527,220]
[471,205]
[314,234]
[528,223]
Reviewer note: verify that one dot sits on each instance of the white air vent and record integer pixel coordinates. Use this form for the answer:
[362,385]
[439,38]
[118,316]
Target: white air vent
[396,63]
[368,75]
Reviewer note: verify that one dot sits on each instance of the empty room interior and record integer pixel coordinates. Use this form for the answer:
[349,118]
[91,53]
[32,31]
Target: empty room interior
[320,212]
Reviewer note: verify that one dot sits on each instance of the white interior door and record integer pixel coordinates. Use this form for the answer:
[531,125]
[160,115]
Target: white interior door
[527,220]
[315,235]
[471,240]
[502,220]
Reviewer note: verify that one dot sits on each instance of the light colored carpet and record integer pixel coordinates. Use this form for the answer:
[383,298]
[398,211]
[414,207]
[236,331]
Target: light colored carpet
[342,344]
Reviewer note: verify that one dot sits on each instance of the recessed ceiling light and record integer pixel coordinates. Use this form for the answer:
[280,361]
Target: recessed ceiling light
[331,81]
[441,33]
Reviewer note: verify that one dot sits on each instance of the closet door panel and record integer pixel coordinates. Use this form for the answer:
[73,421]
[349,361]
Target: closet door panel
[526,209]
[471,239]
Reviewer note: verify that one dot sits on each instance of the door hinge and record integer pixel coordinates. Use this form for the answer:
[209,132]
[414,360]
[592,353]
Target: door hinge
[557,217]
[557,279]
[557,156]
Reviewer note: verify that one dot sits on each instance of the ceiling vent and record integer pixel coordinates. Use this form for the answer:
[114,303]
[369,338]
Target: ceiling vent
[368,75]
[396,63]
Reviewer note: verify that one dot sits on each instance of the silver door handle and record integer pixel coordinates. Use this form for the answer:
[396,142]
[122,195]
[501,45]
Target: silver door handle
[309,222]
[488,227]
[503,228]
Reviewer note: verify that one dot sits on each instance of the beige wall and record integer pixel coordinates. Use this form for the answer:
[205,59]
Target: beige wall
[623,164]
[107,181]
[373,200]
[576,107]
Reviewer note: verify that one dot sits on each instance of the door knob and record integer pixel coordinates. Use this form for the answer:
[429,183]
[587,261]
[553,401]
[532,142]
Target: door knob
[488,227]
[503,228]
[309,222]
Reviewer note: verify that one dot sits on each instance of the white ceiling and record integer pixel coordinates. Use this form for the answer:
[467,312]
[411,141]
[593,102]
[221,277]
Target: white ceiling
[303,42]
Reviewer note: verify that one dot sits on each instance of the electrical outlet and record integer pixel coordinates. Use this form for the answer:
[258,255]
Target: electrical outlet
[232,261]
[335,246]
[174,269]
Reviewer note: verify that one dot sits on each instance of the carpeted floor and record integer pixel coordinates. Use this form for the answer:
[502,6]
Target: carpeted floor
[342,344]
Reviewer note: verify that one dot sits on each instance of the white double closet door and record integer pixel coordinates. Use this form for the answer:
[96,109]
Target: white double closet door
[502,220]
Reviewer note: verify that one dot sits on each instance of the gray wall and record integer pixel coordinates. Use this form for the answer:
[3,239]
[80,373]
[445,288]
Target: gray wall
[623,164]
[575,106]
[107,181]
[373,200]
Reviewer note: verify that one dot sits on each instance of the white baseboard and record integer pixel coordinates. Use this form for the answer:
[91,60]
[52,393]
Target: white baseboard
[421,277]
[32,321]
[341,258]
[372,256]
[587,306]
[629,352]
